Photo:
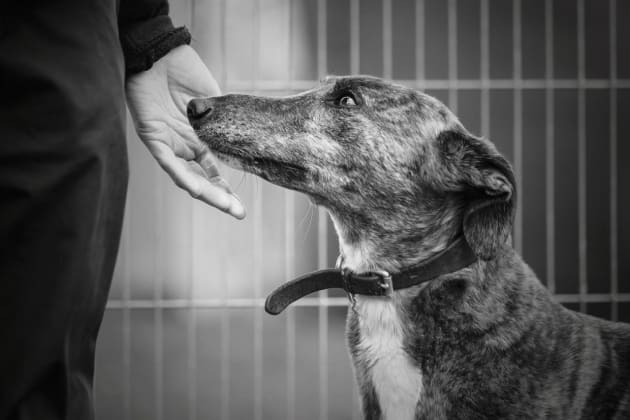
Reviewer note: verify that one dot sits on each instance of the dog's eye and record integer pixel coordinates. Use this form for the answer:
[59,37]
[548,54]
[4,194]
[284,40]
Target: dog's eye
[346,100]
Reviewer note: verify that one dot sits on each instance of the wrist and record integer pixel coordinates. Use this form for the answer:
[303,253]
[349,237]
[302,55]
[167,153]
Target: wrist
[145,44]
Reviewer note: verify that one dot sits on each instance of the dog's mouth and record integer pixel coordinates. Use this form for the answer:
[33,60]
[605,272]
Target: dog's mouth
[230,158]
[287,174]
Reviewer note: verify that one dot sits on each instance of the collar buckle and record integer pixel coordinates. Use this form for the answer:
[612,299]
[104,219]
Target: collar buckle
[385,282]
[372,283]
[381,278]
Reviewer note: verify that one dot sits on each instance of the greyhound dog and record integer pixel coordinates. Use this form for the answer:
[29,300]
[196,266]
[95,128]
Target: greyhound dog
[403,180]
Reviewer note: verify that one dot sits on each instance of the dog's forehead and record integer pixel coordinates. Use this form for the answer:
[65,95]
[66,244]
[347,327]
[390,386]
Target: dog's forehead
[365,83]
[387,97]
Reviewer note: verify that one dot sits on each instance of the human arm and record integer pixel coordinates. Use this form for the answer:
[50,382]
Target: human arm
[163,74]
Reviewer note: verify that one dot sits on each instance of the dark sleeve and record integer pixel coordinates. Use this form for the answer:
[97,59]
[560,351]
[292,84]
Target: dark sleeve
[147,33]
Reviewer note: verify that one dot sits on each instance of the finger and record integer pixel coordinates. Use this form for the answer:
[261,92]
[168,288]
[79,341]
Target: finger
[209,164]
[194,147]
[210,191]
[204,161]
[216,180]
[216,193]
[181,138]
[182,129]
[210,86]
[196,168]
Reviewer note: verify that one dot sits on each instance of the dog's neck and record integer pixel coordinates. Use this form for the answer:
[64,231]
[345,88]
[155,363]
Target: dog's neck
[380,245]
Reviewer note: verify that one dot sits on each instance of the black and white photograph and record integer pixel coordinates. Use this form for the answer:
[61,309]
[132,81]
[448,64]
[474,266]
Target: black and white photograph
[315,209]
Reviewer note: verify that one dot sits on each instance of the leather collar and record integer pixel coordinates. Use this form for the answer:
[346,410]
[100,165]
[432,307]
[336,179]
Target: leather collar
[374,283]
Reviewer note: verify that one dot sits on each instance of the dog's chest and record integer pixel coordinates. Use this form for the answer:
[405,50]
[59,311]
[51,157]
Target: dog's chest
[397,382]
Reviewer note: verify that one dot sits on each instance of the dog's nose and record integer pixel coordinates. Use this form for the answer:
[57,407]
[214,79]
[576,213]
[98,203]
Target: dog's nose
[198,108]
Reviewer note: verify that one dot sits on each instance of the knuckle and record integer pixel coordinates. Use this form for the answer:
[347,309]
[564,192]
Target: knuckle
[180,183]
[194,191]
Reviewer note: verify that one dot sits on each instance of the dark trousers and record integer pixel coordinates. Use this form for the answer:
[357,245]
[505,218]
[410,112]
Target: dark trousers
[63,177]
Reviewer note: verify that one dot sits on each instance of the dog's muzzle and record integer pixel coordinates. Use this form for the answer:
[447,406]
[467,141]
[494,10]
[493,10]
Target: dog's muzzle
[199,108]
[375,283]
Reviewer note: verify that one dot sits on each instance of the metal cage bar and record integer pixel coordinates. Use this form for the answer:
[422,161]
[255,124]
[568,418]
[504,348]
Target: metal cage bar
[518,122]
[281,87]
[192,312]
[355,68]
[420,27]
[387,39]
[614,267]
[192,332]
[452,55]
[322,237]
[581,117]
[158,319]
[484,44]
[322,315]
[549,150]
[355,53]
[126,322]
[257,222]
[138,304]
[289,272]
[224,301]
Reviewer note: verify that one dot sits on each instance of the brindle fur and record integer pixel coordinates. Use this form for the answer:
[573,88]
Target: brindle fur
[401,178]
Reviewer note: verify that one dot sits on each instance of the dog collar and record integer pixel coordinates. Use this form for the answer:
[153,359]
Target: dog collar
[373,283]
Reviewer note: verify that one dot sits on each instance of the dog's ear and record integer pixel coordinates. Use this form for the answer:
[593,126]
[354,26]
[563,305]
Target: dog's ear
[486,181]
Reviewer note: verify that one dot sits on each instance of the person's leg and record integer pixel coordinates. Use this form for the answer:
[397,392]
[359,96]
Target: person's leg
[63,176]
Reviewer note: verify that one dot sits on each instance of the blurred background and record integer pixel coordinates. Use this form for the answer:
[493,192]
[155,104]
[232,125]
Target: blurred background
[185,335]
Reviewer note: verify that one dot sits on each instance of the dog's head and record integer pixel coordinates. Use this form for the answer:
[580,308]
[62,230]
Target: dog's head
[367,150]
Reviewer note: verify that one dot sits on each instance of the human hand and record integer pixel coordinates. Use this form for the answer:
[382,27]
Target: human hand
[157,100]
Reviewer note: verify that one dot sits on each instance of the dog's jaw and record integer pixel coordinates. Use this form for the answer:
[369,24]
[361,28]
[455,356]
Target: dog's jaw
[229,160]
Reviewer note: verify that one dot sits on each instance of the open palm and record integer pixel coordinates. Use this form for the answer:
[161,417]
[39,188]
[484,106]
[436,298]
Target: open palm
[157,100]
